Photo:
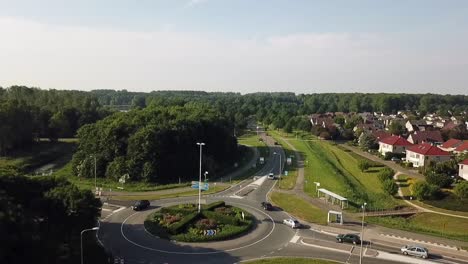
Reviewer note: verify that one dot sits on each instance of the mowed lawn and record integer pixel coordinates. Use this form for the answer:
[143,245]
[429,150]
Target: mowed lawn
[428,223]
[299,208]
[252,140]
[337,170]
[290,261]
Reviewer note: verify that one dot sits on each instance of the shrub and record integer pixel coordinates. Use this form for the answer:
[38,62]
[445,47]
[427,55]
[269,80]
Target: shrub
[439,179]
[220,218]
[461,190]
[205,224]
[363,165]
[178,226]
[423,190]
[385,174]
[170,219]
[224,210]
[390,186]
[214,205]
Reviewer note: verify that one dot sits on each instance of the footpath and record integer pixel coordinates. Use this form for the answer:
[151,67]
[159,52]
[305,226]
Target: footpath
[375,234]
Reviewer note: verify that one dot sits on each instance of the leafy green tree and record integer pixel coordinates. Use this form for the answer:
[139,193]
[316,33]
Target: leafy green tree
[423,190]
[390,186]
[368,141]
[363,165]
[396,128]
[461,190]
[439,179]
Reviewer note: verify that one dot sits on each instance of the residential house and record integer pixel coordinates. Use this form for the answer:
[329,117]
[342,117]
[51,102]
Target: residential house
[380,134]
[463,169]
[425,136]
[393,144]
[450,145]
[421,154]
[416,125]
[462,148]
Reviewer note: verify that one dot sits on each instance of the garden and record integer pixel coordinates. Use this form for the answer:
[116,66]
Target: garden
[216,221]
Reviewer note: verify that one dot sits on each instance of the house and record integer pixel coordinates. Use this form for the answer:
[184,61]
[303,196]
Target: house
[425,136]
[393,144]
[462,148]
[380,134]
[463,169]
[423,153]
[450,145]
[416,125]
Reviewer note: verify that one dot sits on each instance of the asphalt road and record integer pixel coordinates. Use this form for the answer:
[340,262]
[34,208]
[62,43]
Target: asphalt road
[124,235]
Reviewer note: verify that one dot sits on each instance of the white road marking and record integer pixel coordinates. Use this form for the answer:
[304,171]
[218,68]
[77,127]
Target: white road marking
[295,239]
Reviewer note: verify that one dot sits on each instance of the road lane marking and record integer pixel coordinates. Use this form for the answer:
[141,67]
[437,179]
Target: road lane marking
[295,239]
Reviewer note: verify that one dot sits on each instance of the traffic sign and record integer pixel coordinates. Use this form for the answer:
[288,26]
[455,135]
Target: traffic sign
[285,173]
[210,232]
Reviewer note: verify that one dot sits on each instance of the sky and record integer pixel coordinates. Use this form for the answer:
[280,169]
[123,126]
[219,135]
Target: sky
[300,46]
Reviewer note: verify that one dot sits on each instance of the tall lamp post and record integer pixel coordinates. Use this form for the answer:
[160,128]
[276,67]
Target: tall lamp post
[206,173]
[86,230]
[95,177]
[201,144]
[362,231]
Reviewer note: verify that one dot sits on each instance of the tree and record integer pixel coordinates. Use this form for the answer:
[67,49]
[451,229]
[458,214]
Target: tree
[423,190]
[461,190]
[439,179]
[390,186]
[396,128]
[363,165]
[368,141]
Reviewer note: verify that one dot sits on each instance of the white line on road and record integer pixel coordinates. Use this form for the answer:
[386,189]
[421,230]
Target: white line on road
[295,239]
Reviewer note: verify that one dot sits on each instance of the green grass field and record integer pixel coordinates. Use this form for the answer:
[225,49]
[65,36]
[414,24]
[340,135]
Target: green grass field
[428,223]
[290,261]
[337,171]
[299,208]
[213,189]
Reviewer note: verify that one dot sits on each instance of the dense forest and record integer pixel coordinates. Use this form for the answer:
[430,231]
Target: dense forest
[28,114]
[41,219]
[156,144]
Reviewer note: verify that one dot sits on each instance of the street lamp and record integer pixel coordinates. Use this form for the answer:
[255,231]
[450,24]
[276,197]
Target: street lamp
[86,230]
[206,173]
[279,174]
[317,184]
[362,231]
[201,144]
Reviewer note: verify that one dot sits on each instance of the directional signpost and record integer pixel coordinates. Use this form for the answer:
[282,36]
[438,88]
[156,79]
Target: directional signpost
[210,232]
[204,186]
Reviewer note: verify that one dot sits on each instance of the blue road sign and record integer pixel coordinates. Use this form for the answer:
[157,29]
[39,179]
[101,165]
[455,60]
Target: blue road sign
[210,232]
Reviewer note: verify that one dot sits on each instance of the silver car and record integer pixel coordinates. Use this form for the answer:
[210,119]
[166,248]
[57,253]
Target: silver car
[417,251]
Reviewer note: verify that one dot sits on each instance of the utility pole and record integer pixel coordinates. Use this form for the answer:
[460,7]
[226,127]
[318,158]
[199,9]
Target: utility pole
[362,231]
[201,144]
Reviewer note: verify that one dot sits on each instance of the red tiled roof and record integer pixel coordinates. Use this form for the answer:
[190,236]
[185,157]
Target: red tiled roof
[451,143]
[379,134]
[465,162]
[449,125]
[395,141]
[426,136]
[428,150]
[462,147]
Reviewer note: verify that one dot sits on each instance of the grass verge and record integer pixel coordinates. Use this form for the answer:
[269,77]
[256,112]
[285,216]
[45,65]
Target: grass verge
[287,182]
[183,193]
[427,223]
[299,208]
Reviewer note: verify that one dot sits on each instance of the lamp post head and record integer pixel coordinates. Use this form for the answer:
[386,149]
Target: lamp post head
[200,143]
[95,228]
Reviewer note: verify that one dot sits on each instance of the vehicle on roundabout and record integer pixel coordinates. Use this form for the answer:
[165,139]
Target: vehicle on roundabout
[141,205]
[293,223]
[414,250]
[349,238]
[267,206]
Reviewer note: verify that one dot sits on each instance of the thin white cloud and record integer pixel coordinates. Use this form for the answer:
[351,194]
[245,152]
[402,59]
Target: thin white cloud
[66,57]
[192,3]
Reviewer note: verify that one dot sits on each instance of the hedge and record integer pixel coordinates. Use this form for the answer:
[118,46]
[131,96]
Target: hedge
[222,219]
[178,226]
[214,205]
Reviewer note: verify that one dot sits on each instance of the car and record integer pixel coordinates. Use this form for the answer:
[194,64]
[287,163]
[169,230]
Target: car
[414,250]
[271,176]
[350,238]
[293,223]
[395,159]
[267,206]
[141,205]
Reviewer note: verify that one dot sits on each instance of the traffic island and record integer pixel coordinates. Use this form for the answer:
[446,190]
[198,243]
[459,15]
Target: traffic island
[216,221]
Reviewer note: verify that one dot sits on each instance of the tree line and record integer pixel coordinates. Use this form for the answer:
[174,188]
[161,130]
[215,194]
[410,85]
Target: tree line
[27,114]
[156,144]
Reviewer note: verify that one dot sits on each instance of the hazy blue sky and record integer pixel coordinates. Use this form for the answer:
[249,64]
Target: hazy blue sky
[246,46]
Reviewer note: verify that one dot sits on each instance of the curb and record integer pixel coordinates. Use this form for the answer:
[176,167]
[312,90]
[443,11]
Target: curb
[424,242]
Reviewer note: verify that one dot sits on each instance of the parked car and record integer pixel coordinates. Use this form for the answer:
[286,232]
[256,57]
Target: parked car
[267,206]
[350,238]
[413,250]
[293,223]
[141,205]
[271,176]
[395,159]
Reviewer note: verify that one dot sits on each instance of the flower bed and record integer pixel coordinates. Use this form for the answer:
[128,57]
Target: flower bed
[184,223]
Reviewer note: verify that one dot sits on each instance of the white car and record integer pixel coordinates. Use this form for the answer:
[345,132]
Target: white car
[271,176]
[417,251]
[293,223]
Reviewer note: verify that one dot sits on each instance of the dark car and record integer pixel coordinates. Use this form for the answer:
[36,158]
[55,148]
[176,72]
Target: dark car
[141,205]
[350,238]
[267,206]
